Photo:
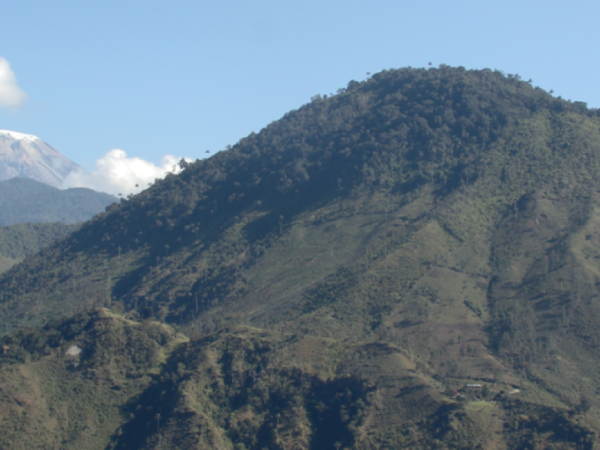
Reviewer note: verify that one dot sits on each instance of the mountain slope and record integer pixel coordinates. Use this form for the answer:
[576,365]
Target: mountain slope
[65,387]
[21,240]
[26,156]
[429,235]
[23,200]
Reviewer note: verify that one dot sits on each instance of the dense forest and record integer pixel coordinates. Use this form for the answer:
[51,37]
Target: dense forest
[412,262]
[24,239]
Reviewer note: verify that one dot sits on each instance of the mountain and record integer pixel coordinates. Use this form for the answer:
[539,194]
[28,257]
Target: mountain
[21,240]
[411,263]
[26,156]
[25,200]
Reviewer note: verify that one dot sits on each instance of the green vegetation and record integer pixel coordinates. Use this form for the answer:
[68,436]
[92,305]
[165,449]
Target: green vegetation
[24,239]
[23,200]
[411,263]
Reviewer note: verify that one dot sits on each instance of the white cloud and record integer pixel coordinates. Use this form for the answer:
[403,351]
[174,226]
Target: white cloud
[10,93]
[117,174]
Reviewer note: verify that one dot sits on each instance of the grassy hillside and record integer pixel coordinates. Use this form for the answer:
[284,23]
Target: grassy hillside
[64,386]
[411,263]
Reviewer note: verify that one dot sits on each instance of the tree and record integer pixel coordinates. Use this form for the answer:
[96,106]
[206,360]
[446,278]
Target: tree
[148,312]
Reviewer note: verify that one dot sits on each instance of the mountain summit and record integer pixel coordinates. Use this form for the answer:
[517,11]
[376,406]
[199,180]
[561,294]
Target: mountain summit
[27,156]
[411,263]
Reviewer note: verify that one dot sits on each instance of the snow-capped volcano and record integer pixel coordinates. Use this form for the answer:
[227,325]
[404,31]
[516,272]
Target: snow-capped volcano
[26,156]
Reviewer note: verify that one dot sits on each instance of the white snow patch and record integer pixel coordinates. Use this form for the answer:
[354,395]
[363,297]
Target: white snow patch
[19,136]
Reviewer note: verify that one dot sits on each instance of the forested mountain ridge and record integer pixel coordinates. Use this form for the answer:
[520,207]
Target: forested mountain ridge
[24,200]
[417,233]
[34,214]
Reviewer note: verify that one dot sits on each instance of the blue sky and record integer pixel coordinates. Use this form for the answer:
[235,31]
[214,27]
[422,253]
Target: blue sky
[155,78]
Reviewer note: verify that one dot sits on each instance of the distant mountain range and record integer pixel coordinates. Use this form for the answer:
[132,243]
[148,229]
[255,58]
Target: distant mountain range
[23,200]
[33,211]
[27,156]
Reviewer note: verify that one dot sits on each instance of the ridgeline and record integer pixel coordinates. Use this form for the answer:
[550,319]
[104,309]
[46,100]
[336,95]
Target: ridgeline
[23,200]
[411,263]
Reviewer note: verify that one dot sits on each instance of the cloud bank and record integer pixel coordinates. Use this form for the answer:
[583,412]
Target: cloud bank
[117,174]
[11,94]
